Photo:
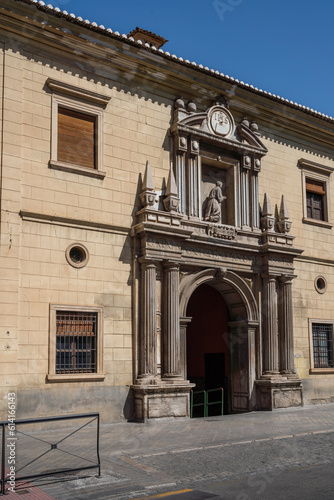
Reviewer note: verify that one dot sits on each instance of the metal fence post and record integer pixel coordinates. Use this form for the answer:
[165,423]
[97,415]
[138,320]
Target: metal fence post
[3,459]
[98,444]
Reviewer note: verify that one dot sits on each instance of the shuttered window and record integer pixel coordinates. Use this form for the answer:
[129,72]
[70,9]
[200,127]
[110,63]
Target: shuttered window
[315,195]
[76,138]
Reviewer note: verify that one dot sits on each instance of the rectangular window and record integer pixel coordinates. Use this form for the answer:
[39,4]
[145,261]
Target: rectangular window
[76,336]
[76,138]
[315,198]
[316,193]
[75,343]
[322,336]
[77,129]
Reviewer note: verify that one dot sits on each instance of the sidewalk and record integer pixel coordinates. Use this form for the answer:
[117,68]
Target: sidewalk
[126,449]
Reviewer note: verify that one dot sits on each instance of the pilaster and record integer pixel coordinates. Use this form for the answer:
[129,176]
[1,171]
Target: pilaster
[255,195]
[184,322]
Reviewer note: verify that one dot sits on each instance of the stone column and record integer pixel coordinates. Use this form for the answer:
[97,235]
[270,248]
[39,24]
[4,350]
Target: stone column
[286,326]
[171,333]
[269,327]
[148,311]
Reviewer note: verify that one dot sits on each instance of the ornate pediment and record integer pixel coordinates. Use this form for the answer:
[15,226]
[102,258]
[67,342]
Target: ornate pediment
[216,126]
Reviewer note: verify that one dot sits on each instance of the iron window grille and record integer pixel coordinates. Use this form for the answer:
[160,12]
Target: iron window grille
[322,335]
[76,342]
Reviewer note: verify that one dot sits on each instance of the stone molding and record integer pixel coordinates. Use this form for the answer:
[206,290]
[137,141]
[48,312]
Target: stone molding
[69,222]
[190,282]
[78,92]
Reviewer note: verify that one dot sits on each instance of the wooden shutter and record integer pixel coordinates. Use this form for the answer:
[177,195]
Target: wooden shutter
[315,187]
[76,324]
[314,204]
[76,138]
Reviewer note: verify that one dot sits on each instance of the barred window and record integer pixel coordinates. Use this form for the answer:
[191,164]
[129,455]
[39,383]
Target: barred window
[322,335]
[76,342]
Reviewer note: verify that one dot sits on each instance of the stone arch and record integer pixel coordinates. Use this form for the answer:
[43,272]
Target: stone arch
[243,328]
[235,291]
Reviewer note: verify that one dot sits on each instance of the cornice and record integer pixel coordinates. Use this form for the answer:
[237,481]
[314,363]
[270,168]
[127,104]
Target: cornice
[218,141]
[71,222]
[74,35]
[65,88]
[316,167]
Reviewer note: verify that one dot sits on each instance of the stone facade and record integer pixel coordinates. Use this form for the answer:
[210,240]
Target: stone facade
[208,189]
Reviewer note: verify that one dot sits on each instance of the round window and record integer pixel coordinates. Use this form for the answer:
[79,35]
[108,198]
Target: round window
[77,255]
[320,284]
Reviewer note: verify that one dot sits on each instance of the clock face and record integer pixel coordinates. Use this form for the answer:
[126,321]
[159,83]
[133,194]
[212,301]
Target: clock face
[220,122]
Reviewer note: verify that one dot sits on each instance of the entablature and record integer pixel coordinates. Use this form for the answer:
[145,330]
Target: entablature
[191,243]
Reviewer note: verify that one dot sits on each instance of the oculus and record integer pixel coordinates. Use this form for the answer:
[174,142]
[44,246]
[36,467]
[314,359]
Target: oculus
[77,255]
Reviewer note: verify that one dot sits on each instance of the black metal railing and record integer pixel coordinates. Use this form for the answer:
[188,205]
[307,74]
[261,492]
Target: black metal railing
[23,450]
[203,399]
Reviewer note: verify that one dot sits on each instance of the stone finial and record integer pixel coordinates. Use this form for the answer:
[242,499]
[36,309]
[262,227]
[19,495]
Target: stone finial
[171,202]
[254,127]
[267,219]
[245,122]
[179,103]
[284,224]
[267,210]
[191,107]
[148,194]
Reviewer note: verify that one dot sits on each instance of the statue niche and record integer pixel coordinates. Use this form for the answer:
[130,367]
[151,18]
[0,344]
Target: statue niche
[214,203]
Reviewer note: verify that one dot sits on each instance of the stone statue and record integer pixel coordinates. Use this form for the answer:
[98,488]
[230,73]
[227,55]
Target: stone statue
[213,207]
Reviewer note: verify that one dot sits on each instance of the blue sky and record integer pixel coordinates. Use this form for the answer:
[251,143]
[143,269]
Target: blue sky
[282,46]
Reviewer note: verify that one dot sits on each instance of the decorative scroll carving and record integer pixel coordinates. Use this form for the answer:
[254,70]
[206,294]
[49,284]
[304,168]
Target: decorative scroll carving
[222,232]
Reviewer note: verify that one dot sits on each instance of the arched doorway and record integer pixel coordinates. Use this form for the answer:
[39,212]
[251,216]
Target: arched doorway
[233,297]
[207,343]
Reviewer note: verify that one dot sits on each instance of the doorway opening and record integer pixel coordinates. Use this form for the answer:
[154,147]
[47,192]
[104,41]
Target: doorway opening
[207,345]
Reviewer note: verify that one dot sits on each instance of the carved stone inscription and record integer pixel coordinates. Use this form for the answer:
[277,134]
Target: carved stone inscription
[222,232]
